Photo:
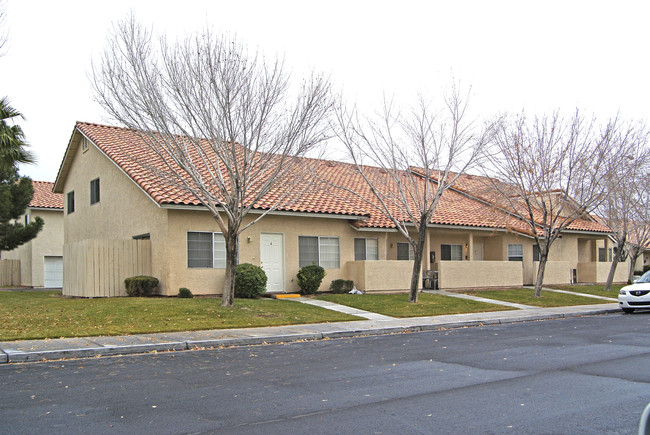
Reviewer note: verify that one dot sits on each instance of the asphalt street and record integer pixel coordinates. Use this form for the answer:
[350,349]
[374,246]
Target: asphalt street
[566,376]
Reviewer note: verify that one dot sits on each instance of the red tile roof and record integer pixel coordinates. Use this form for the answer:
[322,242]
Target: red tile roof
[456,208]
[44,197]
[483,188]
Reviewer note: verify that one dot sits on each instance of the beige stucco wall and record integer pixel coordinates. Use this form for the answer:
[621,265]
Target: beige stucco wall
[48,242]
[210,281]
[123,211]
[463,274]
[381,275]
[599,271]
[555,272]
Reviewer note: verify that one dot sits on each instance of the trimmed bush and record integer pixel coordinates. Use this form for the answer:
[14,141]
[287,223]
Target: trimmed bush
[341,285]
[250,281]
[185,293]
[140,285]
[646,268]
[309,279]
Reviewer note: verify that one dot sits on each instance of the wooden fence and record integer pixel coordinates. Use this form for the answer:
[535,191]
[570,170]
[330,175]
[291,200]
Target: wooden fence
[9,272]
[97,268]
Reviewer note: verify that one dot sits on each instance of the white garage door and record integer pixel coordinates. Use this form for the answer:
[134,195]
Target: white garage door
[53,272]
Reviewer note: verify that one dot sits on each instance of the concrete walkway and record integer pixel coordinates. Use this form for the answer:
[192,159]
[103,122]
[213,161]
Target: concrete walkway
[587,295]
[376,324]
[344,309]
[480,299]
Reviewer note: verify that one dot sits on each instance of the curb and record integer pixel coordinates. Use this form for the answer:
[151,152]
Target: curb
[11,356]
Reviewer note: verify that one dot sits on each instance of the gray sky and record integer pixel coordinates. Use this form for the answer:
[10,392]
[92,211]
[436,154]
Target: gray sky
[532,55]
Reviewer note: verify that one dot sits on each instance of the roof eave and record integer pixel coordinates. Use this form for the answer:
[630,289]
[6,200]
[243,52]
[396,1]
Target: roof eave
[66,163]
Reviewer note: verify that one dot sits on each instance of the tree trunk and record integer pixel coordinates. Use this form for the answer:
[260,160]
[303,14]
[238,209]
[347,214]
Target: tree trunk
[540,274]
[417,263]
[612,267]
[232,249]
[612,271]
[633,255]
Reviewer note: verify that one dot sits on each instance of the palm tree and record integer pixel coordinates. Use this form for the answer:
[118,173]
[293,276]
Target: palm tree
[12,139]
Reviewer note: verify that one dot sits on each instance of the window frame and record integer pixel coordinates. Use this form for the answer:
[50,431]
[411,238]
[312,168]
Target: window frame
[320,244]
[512,257]
[366,249]
[536,256]
[94,191]
[411,251]
[452,247]
[26,219]
[70,202]
[213,258]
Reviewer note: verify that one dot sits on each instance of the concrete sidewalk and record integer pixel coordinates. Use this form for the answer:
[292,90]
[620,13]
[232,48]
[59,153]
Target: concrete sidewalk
[40,350]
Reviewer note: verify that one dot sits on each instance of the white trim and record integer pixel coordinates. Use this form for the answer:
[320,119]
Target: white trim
[375,229]
[35,209]
[318,239]
[187,259]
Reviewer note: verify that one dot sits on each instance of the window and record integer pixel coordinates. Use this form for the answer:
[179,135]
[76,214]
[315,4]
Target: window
[94,191]
[516,252]
[609,255]
[71,202]
[26,219]
[535,253]
[366,249]
[602,255]
[451,252]
[320,250]
[405,251]
[207,250]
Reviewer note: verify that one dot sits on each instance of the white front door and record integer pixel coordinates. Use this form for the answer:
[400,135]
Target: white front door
[52,272]
[272,259]
[478,252]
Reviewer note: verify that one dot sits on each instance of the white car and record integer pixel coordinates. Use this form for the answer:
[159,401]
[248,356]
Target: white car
[636,296]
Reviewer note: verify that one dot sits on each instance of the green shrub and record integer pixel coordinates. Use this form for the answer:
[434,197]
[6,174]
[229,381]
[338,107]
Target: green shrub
[140,285]
[185,293]
[646,268]
[309,279]
[250,281]
[341,285]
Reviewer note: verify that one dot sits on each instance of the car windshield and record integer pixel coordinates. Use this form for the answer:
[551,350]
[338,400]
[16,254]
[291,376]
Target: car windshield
[645,278]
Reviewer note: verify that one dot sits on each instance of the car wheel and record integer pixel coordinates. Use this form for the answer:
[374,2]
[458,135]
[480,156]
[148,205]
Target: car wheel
[628,310]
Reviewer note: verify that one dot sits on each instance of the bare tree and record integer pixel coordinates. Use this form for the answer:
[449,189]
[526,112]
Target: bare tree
[225,124]
[639,232]
[419,154]
[626,167]
[550,174]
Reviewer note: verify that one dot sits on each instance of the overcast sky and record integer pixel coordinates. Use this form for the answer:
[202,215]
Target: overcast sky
[532,55]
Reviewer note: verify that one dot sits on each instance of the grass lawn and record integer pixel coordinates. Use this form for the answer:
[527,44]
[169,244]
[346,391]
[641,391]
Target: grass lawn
[397,305]
[526,297]
[36,314]
[597,290]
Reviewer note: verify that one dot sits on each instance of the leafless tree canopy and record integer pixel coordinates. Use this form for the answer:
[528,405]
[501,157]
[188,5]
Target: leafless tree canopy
[627,166]
[639,227]
[552,172]
[422,152]
[227,122]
